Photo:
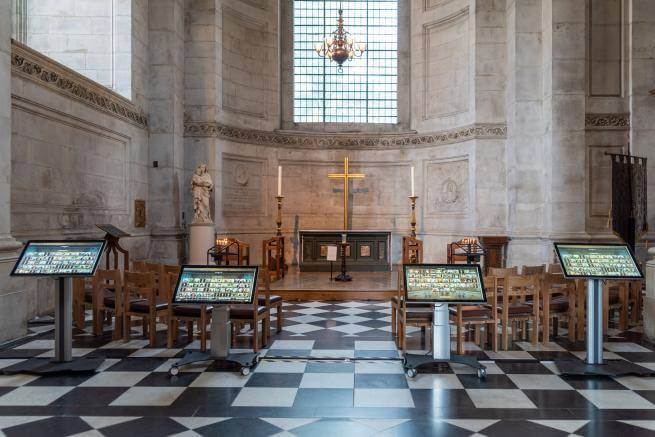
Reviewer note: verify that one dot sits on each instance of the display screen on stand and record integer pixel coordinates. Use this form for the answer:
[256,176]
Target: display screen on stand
[603,261]
[444,283]
[59,258]
[216,285]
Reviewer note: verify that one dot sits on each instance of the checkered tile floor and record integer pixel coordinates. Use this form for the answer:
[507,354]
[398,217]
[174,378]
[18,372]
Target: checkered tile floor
[345,378]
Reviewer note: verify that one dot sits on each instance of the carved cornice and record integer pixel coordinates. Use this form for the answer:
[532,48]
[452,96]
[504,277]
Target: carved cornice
[607,121]
[35,66]
[306,140]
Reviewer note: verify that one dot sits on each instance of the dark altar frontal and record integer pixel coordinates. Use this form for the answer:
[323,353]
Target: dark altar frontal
[367,251]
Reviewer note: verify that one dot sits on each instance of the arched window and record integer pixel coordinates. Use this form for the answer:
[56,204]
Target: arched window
[366,90]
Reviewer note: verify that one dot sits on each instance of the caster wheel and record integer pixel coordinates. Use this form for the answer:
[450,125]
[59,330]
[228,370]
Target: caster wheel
[482,373]
[174,371]
[411,373]
[245,371]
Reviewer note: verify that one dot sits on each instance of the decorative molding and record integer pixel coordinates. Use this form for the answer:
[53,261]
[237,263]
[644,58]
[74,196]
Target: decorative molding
[433,4]
[259,4]
[306,140]
[32,65]
[607,121]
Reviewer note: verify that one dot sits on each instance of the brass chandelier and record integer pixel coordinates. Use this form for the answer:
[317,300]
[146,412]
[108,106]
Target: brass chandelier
[340,46]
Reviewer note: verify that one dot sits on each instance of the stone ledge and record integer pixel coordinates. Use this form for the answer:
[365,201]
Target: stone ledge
[364,141]
[34,66]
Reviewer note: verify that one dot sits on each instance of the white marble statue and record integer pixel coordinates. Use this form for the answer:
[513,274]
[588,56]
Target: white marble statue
[201,188]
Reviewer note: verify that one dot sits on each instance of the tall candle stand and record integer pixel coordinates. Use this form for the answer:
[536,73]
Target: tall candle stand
[279,215]
[412,219]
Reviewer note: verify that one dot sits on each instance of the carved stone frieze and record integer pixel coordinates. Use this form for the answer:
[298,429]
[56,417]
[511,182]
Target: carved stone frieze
[35,66]
[304,140]
[607,121]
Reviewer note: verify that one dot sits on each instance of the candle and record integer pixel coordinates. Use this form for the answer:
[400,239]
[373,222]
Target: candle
[412,181]
[279,181]
[343,238]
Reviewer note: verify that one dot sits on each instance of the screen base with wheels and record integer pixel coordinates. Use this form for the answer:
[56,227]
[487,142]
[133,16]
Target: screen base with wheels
[440,347]
[45,366]
[608,368]
[242,362]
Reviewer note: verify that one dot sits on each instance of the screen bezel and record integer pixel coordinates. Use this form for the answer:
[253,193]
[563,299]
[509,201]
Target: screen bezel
[253,292]
[102,243]
[632,256]
[449,266]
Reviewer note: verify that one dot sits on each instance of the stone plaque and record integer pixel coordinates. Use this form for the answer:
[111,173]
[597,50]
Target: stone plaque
[364,250]
[139,213]
[243,183]
[448,187]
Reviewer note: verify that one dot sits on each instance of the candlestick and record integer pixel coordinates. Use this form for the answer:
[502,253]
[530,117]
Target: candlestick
[279,215]
[412,220]
[413,193]
[279,181]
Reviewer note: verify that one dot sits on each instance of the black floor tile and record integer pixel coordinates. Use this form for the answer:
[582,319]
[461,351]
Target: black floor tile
[112,353]
[196,397]
[376,354]
[163,379]
[288,352]
[288,380]
[419,427]
[523,368]
[145,427]
[54,426]
[21,353]
[330,367]
[506,428]
[61,380]
[491,381]
[331,428]
[612,429]
[90,396]
[374,323]
[559,399]
[638,357]
[238,427]
[371,380]
[324,397]
[138,364]
[592,382]
[427,399]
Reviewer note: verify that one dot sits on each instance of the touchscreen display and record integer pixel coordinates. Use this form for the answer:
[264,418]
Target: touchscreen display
[219,285]
[614,261]
[59,258]
[450,283]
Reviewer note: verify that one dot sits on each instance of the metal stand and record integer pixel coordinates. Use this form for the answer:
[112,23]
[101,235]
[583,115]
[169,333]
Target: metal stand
[440,347]
[63,362]
[343,276]
[221,330]
[594,364]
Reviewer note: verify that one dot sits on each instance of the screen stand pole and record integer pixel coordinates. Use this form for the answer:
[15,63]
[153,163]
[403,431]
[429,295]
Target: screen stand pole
[221,329]
[440,332]
[594,321]
[64,320]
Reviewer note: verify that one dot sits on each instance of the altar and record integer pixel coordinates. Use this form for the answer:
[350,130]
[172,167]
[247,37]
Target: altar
[367,250]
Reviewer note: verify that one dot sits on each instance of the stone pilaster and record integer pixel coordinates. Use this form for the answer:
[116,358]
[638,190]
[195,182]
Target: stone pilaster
[166,108]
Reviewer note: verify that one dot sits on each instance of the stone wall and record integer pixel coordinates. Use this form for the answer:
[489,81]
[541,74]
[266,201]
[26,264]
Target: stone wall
[93,37]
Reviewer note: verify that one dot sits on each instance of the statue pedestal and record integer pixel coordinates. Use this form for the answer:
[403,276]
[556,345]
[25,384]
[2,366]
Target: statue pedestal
[201,239]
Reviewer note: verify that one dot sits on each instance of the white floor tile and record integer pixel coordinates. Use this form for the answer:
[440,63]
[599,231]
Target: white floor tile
[462,369]
[33,396]
[131,344]
[77,352]
[351,319]
[307,318]
[375,345]
[114,379]
[302,328]
[293,344]
[351,311]
[220,379]
[499,398]
[6,362]
[625,347]
[539,382]
[392,367]
[540,347]
[351,329]
[606,355]
[509,355]
[148,396]
[37,344]
[616,400]
[265,397]
[159,353]
[383,397]
[16,380]
[332,353]
[265,366]
[435,381]
[328,380]
[637,382]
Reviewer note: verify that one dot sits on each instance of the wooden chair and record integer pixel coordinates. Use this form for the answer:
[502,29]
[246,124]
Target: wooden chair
[188,313]
[410,314]
[253,314]
[82,300]
[616,297]
[273,257]
[107,299]
[141,300]
[533,270]
[520,304]
[558,303]
[495,252]
[478,315]
[231,251]
[500,274]
[555,268]
[412,250]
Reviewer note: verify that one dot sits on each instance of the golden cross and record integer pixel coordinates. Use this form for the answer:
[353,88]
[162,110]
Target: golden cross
[346,176]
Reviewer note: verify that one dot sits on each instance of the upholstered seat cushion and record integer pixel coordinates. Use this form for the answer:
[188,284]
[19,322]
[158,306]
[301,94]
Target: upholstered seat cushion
[190,310]
[245,311]
[517,309]
[261,300]
[143,306]
[419,312]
